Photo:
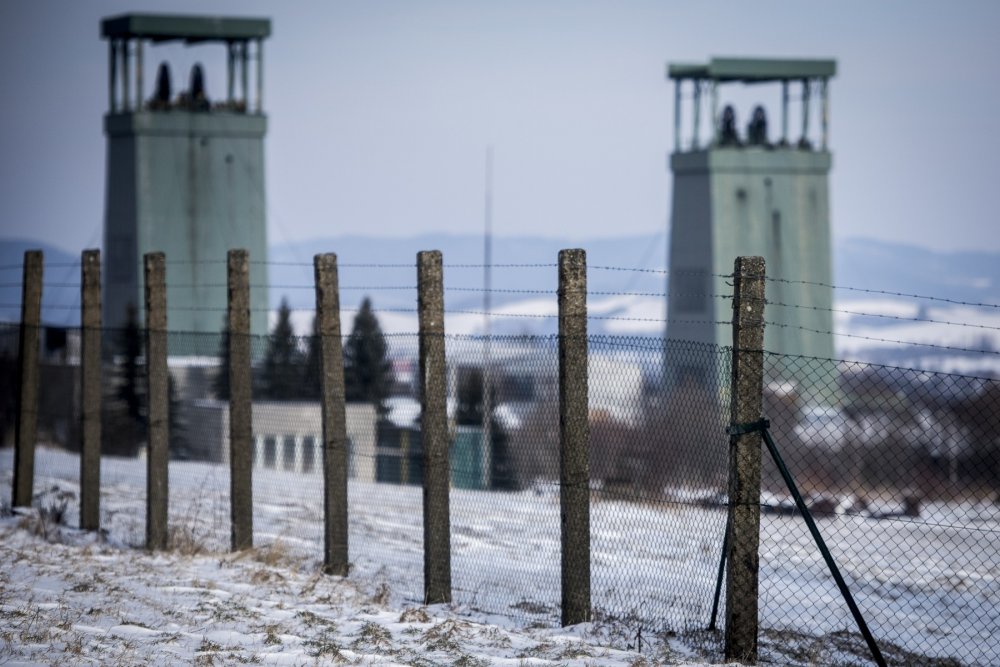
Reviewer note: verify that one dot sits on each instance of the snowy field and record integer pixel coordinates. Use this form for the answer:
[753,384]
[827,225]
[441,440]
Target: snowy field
[68,597]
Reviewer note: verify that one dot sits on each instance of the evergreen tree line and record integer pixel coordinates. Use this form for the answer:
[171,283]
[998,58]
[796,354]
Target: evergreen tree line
[291,368]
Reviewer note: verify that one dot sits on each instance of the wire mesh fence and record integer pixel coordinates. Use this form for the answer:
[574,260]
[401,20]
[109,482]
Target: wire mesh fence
[900,468]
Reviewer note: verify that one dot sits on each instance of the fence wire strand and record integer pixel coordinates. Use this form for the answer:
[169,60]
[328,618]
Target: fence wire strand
[900,468]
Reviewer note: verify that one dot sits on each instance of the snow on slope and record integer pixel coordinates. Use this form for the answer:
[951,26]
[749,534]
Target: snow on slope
[911,333]
[84,599]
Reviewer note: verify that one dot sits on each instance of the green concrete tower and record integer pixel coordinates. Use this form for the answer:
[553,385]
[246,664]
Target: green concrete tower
[185,171]
[739,192]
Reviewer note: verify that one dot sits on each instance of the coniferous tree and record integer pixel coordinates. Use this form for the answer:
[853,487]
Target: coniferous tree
[8,400]
[283,361]
[366,366]
[312,373]
[177,425]
[123,408]
[130,346]
[469,411]
[220,386]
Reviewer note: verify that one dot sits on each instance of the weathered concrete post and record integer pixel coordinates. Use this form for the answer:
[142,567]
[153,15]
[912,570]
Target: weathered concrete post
[335,552]
[434,428]
[90,389]
[744,460]
[240,405]
[26,421]
[157,375]
[574,437]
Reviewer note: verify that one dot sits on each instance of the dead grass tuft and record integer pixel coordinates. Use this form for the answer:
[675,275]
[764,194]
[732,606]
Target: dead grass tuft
[381,595]
[183,539]
[449,635]
[373,637]
[47,519]
[275,554]
[415,615]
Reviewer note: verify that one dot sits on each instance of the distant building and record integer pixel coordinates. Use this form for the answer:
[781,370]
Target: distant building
[745,193]
[286,435]
[185,170]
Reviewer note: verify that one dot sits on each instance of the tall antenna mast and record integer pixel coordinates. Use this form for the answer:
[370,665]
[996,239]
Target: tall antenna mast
[487,324]
[488,240]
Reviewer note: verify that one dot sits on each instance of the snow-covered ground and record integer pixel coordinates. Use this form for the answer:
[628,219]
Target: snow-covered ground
[893,331]
[68,597]
[870,330]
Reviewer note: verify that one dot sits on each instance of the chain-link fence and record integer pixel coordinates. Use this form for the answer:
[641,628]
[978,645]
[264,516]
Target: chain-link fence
[900,469]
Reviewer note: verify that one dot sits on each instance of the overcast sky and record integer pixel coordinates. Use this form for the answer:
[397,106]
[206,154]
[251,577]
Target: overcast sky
[380,112]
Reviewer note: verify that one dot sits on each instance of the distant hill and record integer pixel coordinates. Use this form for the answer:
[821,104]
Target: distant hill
[858,263]
[898,267]
[881,276]
[463,258]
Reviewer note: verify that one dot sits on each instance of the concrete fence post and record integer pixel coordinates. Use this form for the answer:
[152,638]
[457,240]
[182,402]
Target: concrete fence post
[335,463]
[240,403]
[158,385]
[747,389]
[434,428]
[90,389]
[26,419]
[574,437]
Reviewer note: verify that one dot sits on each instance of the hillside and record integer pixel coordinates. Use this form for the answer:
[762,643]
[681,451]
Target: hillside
[877,287]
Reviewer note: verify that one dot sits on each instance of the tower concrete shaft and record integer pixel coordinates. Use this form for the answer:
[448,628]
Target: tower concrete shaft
[185,172]
[742,194]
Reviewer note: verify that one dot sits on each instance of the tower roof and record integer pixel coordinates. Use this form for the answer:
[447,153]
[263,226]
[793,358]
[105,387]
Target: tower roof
[184,27]
[754,70]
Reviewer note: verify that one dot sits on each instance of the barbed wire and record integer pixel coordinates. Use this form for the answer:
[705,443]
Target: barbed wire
[413,265]
[589,317]
[223,309]
[48,265]
[375,288]
[879,340]
[882,315]
[883,292]
[500,290]
[409,265]
[870,364]
[634,270]
[502,266]
[44,306]
[179,262]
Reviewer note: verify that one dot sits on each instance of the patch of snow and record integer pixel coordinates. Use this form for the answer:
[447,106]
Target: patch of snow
[80,596]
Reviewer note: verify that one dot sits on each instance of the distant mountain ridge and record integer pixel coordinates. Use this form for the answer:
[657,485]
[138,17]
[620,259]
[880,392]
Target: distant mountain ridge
[625,264]
[972,277]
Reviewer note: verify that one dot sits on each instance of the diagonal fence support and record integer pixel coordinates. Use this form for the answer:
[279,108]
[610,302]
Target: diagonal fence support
[157,376]
[434,428]
[335,533]
[26,419]
[240,403]
[574,438]
[742,558]
[720,577]
[762,426]
[90,390]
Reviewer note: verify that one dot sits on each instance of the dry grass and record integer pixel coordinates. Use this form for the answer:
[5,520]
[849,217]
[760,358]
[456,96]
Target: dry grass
[381,595]
[275,554]
[185,541]
[415,615]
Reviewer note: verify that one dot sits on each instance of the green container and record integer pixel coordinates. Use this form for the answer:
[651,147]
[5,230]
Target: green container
[470,459]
